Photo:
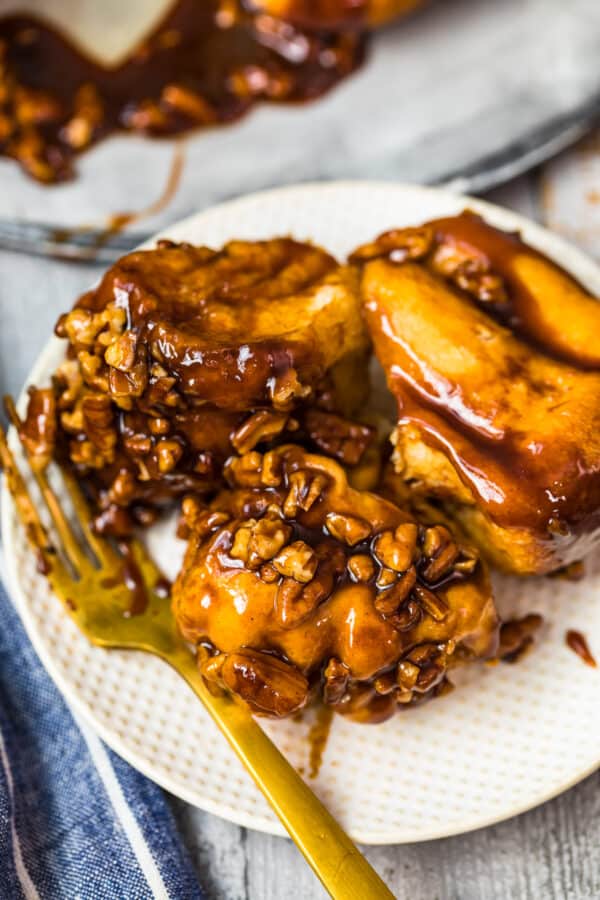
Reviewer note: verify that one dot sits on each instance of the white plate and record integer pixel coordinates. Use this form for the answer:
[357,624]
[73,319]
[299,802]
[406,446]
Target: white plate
[509,738]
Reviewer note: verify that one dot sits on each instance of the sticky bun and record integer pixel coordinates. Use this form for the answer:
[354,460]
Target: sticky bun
[295,585]
[493,354]
[183,355]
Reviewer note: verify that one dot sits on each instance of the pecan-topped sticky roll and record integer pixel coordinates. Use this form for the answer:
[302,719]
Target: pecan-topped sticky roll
[295,585]
[183,355]
[493,353]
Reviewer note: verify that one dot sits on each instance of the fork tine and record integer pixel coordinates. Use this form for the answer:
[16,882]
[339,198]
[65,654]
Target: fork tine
[100,546]
[70,545]
[36,533]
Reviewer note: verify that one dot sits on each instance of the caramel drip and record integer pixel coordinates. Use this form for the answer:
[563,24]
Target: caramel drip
[577,642]
[318,737]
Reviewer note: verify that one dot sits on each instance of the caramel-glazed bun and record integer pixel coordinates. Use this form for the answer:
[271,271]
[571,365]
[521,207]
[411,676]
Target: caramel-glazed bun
[185,354]
[295,584]
[493,354]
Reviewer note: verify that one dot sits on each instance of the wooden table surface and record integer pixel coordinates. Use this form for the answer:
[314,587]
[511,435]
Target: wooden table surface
[551,852]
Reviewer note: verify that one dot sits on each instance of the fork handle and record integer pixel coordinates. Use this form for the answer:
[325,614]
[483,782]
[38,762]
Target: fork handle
[342,869]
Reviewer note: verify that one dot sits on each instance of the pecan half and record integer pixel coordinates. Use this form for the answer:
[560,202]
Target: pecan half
[257,541]
[432,603]
[267,684]
[349,529]
[361,567]
[336,436]
[298,561]
[389,601]
[304,491]
[263,425]
[336,677]
[396,549]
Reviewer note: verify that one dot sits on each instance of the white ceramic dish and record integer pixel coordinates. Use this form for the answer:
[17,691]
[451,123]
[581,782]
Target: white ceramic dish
[509,738]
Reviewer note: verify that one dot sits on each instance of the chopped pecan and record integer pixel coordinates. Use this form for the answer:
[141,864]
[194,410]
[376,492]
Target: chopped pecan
[69,381]
[433,604]
[268,573]
[38,429]
[271,473]
[298,561]
[244,471]
[337,437]
[349,529]
[304,490]
[408,616]
[361,567]
[441,564]
[336,677]
[200,520]
[256,541]
[262,425]
[123,488]
[466,562]
[386,578]
[396,549]
[159,425]
[168,453]
[188,103]
[386,683]
[399,245]
[407,674]
[99,424]
[434,539]
[88,112]
[429,676]
[285,389]
[295,601]
[389,601]
[470,271]
[120,354]
[267,684]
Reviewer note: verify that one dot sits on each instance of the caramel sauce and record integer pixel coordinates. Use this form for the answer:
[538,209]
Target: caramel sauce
[213,325]
[506,390]
[218,598]
[576,642]
[206,64]
[317,738]
[134,580]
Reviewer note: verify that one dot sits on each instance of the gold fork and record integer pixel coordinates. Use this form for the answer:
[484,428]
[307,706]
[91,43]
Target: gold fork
[87,573]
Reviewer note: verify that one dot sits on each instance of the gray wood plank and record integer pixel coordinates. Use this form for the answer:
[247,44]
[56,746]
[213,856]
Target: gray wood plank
[550,853]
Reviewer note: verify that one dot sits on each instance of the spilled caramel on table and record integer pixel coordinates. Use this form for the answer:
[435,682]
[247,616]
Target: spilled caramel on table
[206,63]
[576,642]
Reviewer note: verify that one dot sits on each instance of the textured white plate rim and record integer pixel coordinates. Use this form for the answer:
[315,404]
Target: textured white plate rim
[556,247]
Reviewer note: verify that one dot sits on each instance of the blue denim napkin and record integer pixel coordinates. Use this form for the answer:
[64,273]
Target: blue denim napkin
[76,821]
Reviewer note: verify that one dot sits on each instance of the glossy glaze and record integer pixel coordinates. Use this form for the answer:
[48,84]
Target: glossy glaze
[183,355]
[218,599]
[490,370]
[577,642]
